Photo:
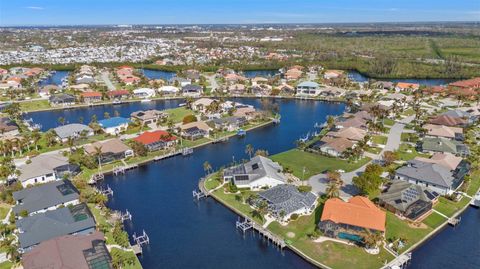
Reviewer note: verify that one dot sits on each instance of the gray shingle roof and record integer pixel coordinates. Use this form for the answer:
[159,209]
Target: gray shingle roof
[63,221]
[43,196]
[402,194]
[444,145]
[41,165]
[287,198]
[258,167]
[427,172]
[71,130]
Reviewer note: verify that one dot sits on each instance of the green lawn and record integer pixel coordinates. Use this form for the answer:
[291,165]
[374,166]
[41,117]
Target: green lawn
[296,160]
[212,182]
[177,114]
[448,207]
[434,220]
[6,265]
[128,255]
[189,143]
[231,199]
[405,155]
[34,105]
[409,137]
[388,122]
[4,208]
[379,139]
[397,228]
[474,183]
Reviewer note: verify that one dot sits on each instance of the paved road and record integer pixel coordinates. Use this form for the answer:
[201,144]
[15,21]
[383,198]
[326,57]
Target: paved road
[213,82]
[105,77]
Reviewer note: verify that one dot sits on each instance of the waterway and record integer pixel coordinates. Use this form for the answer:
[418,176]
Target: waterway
[54,79]
[260,73]
[188,234]
[158,74]
[358,77]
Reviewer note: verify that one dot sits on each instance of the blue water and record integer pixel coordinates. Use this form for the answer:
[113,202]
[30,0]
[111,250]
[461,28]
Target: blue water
[453,248]
[260,73]
[49,119]
[158,74]
[358,77]
[55,79]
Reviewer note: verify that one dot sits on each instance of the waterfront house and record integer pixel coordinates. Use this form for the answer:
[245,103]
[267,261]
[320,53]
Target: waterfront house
[247,112]
[446,159]
[473,83]
[40,227]
[431,175]
[181,82]
[308,89]
[70,251]
[350,133]
[80,87]
[110,150]
[258,172]
[355,122]
[293,74]
[465,115]
[408,200]
[168,89]
[84,79]
[115,125]
[285,200]
[333,146]
[261,90]
[44,197]
[448,120]
[237,89]
[439,144]
[156,140]
[148,116]
[144,93]
[73,130]
[229,123]
[347,220]
[433,130]
[46,168]
[332,74]
[259,81]
[62,99]
[202,104]
[118,94]
[405,86]
[195,130]
[8,127]
[192,90]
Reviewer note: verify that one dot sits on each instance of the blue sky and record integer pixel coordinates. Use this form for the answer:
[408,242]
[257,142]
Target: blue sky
[72,12]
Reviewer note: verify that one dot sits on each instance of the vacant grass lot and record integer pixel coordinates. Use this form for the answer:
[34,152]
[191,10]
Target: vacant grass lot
[177,114]
[34,105]
[296,160]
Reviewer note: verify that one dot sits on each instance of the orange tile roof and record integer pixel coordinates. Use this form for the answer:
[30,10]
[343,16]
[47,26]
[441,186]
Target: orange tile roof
[91,94]
[118,92]
[358,211]
[469,83]
[156,136]
[406,85]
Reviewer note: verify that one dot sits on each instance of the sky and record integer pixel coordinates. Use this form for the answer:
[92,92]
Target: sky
[98,12]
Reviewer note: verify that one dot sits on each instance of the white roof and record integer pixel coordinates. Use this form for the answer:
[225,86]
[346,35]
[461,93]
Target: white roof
[168,89]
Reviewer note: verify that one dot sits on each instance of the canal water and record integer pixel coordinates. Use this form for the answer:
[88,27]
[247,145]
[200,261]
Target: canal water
[188,234]
[158,74]
[54,79]
[358,77]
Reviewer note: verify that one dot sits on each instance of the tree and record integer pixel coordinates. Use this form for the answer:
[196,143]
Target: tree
[13,111]
[189,118]
[36,136]
[207,167]
[50,138]
[369,181]
[61,120]
[261,152]
[106,115]
[372,240]
[330,121]
[189,102]
[333,189]
[139,149]
[98,155]
[249,150]
[389,157]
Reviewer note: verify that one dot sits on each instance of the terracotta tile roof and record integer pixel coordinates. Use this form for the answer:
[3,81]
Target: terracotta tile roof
[91,94]
[118,92]
[358,211]
[447,120]
[406,85]
[156,136]
[469,83]
[447,160]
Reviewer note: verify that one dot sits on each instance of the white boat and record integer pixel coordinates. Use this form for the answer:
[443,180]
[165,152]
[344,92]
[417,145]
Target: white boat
[476,200]
[145,100]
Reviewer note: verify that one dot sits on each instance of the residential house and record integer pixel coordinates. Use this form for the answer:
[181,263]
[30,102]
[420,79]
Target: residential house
[349,220]
[8,127]
[259,81]
[333,146]
[433,130]
[443,145]
[293,74]
[91,97]
[248,112]
[118,94]
[110,150]
[115,125]
[62,99]
[473,83]
[144,93]
[229,123]
[44,197]
[156,140]
[46,168]
[181,82]
[40,227]
[70,251]
[192,90]
[285,200]
[195,130]
[350,133]
[405,86]
[408,200]
[168,89]
[332,74]
[257,173]
[73,130]
[202,103]
[430,175]
[447,160]
[308,88]
[148,116]
[449,121]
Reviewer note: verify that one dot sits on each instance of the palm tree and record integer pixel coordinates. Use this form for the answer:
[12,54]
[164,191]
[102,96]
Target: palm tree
[249,150]
[70,143]
[61,120]
[36,136]
[207,167]
[333,189]
[189,102]
[372,240]
[98,154]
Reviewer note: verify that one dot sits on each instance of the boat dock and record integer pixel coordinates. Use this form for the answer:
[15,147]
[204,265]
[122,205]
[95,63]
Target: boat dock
[401,261]
[454,221]
[107,191]
[95,178]
[248,224]
[140,241]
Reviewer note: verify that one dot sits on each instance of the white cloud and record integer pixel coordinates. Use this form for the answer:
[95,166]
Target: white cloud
[35,8]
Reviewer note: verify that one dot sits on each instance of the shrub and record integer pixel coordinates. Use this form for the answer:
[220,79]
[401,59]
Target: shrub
[189,118]
[304,188]
[23,213]
[294,216]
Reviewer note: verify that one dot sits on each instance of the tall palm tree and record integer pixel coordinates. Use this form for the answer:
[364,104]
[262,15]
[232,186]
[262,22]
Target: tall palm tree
[36,136]
[249,150]
[333,189]
[207,167]
[98,154]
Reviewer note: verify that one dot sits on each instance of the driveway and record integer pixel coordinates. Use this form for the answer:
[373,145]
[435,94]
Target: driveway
[213,82]
[105,77]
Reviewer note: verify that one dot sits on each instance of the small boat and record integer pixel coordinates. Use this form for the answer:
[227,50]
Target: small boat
[145,100]
[241,132]
[116,102]
[476,200]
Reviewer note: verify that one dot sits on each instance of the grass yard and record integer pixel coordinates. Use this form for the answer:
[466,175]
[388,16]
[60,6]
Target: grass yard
[235,201]
[409,137]
[6,265]
[189,143]
[379,139]
[407,152]
[177,114]
[34,105]
[448,207]
[388,122]
[296,160]
[396,228]
[4,208]
[115,252]
[434,220]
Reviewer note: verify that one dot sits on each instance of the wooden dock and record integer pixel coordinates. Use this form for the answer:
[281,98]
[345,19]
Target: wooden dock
[401,261]
[454,221]
[248,224]
[140,241]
